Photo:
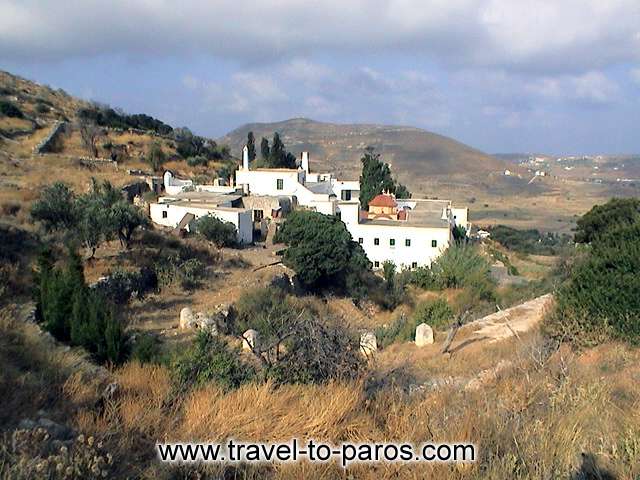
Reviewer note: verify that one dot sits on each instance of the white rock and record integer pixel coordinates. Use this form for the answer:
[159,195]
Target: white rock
[424,335]
[206,323]
[187,320]
[368,343]
[249,339]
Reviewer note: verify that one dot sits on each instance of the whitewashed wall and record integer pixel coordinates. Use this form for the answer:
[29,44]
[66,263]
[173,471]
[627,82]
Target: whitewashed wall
[240,218]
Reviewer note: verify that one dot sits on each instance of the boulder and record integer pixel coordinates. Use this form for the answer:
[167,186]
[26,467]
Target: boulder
[424,335]
[187,319]
[249,340]
[368,343]
[206,323]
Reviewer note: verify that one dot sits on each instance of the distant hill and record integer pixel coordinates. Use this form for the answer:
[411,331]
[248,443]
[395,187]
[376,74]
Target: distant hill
[415,155]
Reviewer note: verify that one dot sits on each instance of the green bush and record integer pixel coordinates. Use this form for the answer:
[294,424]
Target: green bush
[146,349]
[56,208]
[602,218]
[601,298]
[322,253]
[435,313]
[197,161]
[529,241]
[222,234]
[179,268]
[424,278]
[75,313]
[10,110]
[459,266]
[209,359]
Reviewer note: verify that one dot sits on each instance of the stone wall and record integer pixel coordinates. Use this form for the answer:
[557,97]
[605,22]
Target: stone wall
[47,143]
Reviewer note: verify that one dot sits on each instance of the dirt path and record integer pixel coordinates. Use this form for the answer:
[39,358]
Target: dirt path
[512,321]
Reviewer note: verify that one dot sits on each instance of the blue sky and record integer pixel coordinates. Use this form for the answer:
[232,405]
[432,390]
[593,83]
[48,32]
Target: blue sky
[557,76]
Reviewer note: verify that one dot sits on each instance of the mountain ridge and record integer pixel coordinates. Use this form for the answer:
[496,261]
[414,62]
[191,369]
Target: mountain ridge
[414,153]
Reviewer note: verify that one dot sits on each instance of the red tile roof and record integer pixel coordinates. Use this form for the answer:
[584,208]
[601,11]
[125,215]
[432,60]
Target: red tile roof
[383,200]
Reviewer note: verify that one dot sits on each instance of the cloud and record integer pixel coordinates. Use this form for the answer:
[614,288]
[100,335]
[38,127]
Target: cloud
[524,35]
[591,87]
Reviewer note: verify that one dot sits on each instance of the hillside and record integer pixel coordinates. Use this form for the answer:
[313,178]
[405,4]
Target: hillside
[414,154]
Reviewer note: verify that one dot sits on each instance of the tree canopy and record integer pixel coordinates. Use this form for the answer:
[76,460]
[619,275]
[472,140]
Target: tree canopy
[601,297]
[376,178]
[602,218]
[276,154]
[251,146]
[321,251]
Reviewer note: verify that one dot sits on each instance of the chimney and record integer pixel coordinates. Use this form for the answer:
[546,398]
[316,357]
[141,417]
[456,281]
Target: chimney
[245,158]
[305,162]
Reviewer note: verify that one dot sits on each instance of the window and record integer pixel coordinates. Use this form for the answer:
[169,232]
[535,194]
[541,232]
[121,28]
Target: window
[360,240]
[280,184]
[376,241]
[434,243]
[376,264]
[392,242]
[345,195]
[164,214]
[407,242]
[258,215]
[414,265]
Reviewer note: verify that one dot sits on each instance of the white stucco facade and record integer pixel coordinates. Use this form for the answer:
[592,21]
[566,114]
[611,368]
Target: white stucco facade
[169,214]
[317,191]
[414,242]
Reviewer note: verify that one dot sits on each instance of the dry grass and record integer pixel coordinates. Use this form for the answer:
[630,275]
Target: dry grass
[533,421]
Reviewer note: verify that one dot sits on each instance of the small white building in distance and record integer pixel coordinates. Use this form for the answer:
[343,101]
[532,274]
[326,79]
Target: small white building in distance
[410,233]
[182,209]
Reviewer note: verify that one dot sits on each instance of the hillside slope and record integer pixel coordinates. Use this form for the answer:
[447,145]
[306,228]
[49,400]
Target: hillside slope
[413,153]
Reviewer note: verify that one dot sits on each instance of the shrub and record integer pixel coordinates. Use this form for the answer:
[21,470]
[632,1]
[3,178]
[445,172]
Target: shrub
[191,272]
[121,285]
[435,313]
[321,350]
[424,278]
[459,266]
[73,312]
[322,253]
[601,297]
[56,208]
[529,241]
[42,108]
[10,110]
[197,161]
[602,218]
[108,117]
[146,348]
[209,359]
[181,267]
[222,234]
[156,157]
[297,343]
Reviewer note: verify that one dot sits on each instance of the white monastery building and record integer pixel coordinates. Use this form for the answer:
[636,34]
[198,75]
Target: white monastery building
[409,232]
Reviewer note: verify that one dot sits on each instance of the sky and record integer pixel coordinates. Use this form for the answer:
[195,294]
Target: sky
[546,76]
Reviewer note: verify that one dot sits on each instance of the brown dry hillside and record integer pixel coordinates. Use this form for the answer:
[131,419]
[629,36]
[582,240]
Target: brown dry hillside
[413,153]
